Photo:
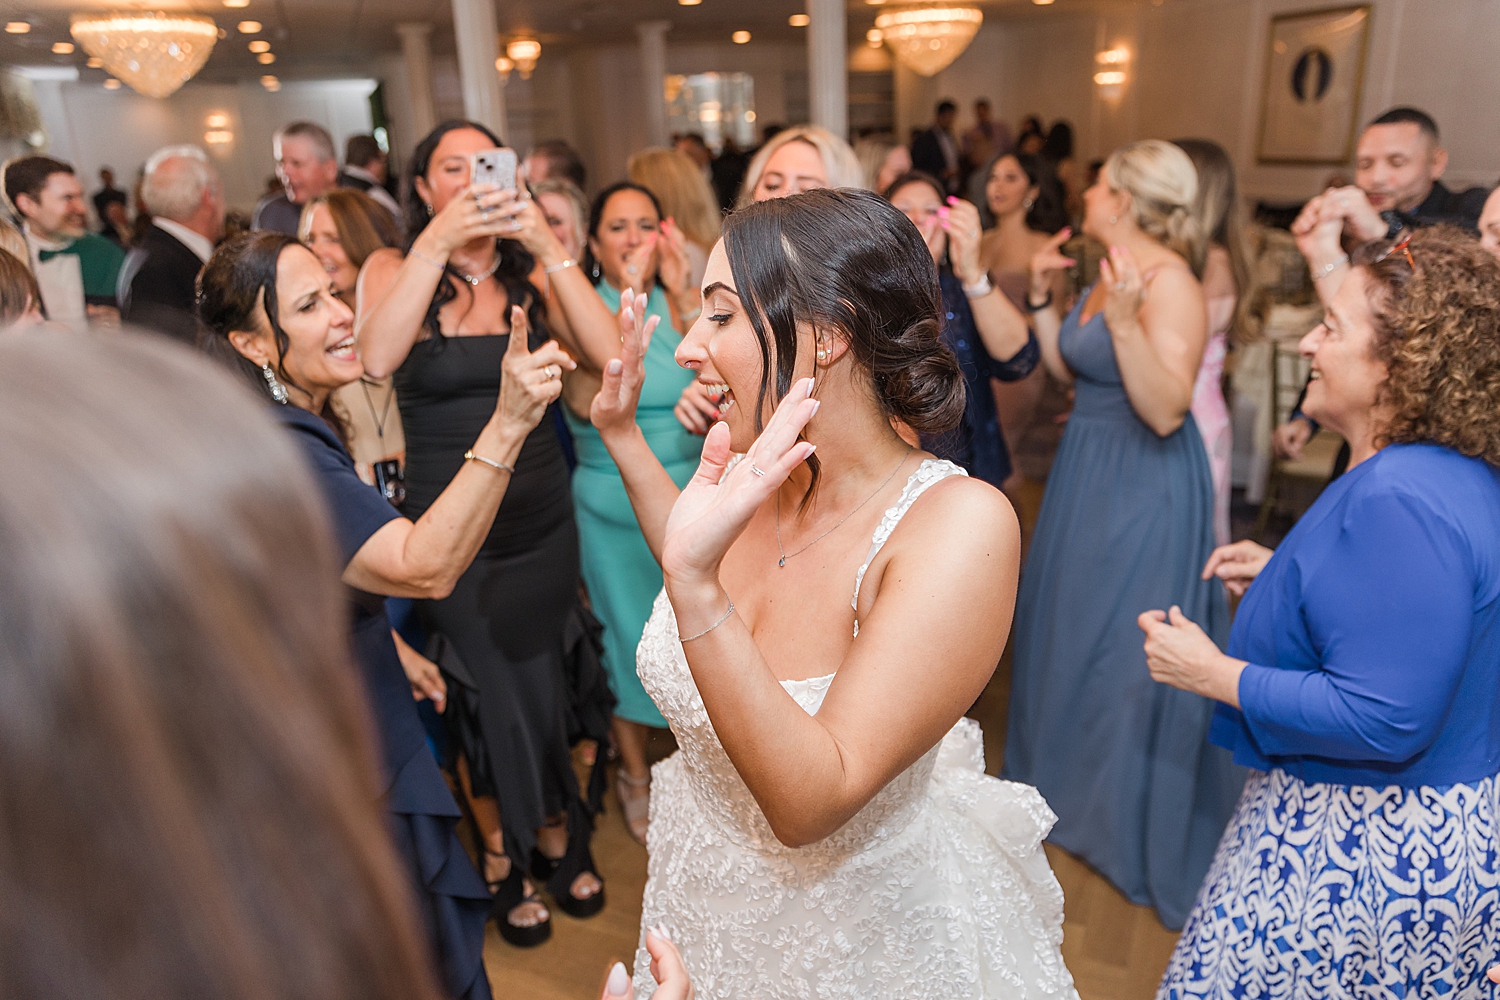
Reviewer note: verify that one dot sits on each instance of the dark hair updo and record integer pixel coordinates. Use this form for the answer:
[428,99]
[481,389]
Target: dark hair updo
[847,262]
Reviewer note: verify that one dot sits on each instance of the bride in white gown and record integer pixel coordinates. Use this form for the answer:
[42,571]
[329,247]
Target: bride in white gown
[826,829]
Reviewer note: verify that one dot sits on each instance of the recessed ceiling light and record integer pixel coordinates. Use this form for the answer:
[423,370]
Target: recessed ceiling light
[260,45]
[94,62]
[62,48]
[740,37]
[689,3]
[799,20]
[249,27]
[1042,3]
[17,27]
[270,83]
[111,84]
[236,3]
[266,58]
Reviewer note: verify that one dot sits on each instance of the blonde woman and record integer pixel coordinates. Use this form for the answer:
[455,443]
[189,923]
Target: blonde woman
[687,202]
[800,159]
[1125,526]
[882,159]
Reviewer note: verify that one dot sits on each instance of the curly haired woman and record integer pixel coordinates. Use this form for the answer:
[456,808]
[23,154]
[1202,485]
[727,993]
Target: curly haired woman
[1360,677]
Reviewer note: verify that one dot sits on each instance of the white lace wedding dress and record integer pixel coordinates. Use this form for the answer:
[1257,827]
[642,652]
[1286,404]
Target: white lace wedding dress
[937,888]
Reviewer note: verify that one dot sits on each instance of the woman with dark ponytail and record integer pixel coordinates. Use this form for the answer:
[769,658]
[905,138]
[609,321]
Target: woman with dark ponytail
[1126,525]
[827,826]
[517,648]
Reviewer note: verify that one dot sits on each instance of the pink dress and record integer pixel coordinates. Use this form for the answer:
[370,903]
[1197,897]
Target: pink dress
[1210,411]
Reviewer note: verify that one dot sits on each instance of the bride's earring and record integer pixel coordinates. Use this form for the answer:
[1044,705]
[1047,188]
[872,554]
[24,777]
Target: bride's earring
[278,391]
[823,354]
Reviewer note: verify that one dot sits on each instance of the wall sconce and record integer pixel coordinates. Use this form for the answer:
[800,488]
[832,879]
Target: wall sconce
[218,137]
[503,66]
[1110,78]
[524,52]
[1111,74]
[217,120]
[874,38]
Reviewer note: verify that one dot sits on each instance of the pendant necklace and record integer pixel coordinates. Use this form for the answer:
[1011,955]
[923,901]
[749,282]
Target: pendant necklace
[785,555]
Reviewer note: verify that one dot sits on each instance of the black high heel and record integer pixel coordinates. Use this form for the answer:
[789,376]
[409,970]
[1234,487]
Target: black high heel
[558,873]
[508,894]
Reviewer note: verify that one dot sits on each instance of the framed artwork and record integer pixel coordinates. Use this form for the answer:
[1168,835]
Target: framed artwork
[1315,70]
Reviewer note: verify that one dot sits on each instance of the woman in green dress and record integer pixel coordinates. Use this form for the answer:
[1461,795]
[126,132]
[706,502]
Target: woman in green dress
[630,246]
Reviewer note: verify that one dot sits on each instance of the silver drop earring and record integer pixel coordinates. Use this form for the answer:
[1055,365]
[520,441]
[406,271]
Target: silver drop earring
[278,391]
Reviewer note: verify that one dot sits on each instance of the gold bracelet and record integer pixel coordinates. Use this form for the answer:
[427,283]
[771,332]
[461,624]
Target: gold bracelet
[570,262]
[469,456]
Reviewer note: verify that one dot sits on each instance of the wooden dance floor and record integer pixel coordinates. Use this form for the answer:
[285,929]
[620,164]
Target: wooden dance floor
[1116,951]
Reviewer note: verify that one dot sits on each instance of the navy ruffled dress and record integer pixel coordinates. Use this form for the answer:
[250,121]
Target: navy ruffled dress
[977,443]
[450,895]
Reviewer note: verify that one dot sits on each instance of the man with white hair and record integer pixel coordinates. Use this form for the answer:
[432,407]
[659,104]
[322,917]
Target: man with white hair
[158,284]
[308,167]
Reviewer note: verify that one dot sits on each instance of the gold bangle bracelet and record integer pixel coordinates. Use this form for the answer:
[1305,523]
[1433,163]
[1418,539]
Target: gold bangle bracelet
[469,456]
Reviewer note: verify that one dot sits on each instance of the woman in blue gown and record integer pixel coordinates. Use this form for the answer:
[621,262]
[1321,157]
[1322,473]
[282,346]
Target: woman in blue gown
[1360,679]
[270,309]
[1126,524]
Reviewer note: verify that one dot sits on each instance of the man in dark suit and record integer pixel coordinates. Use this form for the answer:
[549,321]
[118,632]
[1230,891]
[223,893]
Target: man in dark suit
[158,284]
[935,151]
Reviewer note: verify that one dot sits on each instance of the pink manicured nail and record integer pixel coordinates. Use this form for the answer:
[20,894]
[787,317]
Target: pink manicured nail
[619,981]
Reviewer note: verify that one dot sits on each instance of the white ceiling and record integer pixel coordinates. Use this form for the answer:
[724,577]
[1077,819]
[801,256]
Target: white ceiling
[323,35]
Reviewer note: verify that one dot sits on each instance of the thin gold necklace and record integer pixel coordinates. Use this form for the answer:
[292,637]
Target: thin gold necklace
[785,556]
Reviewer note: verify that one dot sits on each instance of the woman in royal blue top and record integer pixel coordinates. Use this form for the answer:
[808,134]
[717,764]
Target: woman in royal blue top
[270,310]
[1362,673]
[988,335]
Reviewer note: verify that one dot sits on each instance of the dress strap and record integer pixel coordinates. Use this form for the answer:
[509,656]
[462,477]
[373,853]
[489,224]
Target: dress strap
[932,470]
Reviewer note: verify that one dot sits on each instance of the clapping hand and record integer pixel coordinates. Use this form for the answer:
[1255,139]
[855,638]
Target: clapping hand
[613,409]
[530,381]
[638,264]
[1124,289]
[715,507]
[671,259]
[1237,565]
[672,982]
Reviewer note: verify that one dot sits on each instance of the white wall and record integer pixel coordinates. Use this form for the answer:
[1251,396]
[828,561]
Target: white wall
[91,127]
[1197,71]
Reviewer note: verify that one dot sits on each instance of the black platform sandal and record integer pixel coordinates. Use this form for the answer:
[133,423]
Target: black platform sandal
[558,873]
[505,896]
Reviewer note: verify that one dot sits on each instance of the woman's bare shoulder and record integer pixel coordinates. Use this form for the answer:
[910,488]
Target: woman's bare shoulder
[961,507]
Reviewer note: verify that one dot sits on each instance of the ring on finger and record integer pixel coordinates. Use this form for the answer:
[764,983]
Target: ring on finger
[759,472]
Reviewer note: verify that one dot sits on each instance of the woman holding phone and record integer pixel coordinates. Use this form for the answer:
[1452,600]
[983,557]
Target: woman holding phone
[513,633]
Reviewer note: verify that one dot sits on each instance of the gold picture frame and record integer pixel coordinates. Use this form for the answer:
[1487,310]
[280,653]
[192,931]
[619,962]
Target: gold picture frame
[1313,83]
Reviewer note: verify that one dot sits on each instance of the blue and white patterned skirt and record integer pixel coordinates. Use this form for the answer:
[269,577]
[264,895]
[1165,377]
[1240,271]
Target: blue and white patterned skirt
[1346,891]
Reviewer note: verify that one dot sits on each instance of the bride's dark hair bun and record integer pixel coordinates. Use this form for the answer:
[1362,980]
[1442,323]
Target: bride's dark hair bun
[847,261]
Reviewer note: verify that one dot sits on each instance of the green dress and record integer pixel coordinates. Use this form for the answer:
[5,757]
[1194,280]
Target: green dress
[623,577]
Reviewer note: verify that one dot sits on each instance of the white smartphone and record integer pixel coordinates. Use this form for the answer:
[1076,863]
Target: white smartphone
[494,166]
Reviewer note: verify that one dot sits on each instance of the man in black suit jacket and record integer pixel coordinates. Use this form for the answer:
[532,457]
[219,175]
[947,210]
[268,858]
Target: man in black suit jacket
[158,284]
[935,151]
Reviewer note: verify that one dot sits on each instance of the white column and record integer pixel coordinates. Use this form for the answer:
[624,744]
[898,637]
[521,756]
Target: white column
[653,39]
[827,67]
[478,46]
[417,52]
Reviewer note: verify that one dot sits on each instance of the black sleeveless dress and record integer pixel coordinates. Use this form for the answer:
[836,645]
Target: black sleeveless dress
[450,895]
[518,649]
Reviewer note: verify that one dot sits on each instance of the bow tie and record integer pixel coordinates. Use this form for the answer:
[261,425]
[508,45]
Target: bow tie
[43,255]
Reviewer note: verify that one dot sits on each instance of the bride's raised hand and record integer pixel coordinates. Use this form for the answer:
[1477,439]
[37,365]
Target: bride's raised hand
[715,507]
[613,409]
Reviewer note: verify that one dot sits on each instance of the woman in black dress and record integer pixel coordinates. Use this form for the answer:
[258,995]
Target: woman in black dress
[271,308]
[516,646]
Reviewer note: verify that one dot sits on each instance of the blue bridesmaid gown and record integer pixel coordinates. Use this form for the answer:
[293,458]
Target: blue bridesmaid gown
[1125,526]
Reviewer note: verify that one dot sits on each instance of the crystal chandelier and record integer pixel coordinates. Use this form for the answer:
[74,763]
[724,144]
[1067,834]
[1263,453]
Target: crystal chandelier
[154,53]
[524,52]
[928,38]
